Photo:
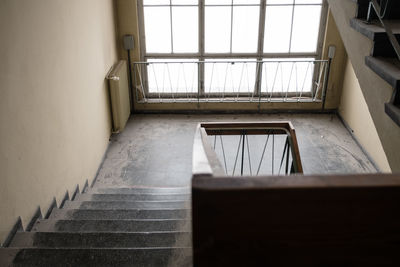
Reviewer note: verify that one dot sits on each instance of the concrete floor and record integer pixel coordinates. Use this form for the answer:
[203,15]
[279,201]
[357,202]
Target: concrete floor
[156,150]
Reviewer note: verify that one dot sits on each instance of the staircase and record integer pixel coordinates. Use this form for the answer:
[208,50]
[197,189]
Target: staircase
[109,227]
[383,59]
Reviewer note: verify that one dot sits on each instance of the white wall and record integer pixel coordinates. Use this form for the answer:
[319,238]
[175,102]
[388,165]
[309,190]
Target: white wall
[355,113]
[54,114]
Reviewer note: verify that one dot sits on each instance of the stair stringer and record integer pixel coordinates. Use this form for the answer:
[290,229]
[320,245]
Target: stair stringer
[376,91]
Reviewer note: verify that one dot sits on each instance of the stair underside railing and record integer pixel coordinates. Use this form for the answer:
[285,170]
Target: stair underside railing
[374,5]
[252,149]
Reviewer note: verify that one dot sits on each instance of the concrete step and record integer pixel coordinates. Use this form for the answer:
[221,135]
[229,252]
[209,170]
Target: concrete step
[106,205]
[393,11]
[116,214]
[132,197]
[101,239]
[140,190]
[387,68]
[393,112]
[111,225]
[375,32]
[96,257]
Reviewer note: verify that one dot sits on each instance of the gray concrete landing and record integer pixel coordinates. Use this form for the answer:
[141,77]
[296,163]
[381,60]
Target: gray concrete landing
[156,150]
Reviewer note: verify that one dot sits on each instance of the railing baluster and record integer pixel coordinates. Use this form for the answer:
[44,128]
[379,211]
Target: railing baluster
[211,79]
[237,155]
[170,83]
[293,82]
[283,156]
[273,84]
[240,82]
[223,153]
[290,79]
[287,156]
[241,168]
[226,77]
[273,152]
[141,83]
[248,153]
[262,155]
[304,80]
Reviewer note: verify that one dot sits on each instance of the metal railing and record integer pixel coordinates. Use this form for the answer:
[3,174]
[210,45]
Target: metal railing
[374,5]
[303,80]
[246,149]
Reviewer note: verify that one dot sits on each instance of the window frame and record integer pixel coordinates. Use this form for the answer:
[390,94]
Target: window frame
[201,55]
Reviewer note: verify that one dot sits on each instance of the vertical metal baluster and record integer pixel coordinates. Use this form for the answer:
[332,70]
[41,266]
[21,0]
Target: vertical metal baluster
[141,83]
[264,71]
[211,80]
[262,155]
[178,79]
[312,91]
[290,79]
[304,80]
[273,150]
[155,79]
[240,82]
[322,68]
[283,156]
[170,83]
[237,155]
[287,156]
[184,80]
[223,153]
[297,82]
[226,76]
[193,75]
[241,168]
[251,92]
[248,153]
[164,70]
[282,85]
[273,85]
[232,81]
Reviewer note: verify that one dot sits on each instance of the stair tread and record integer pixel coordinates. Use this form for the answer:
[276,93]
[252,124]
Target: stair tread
[387,68]
[125,204]
[176,256]
[131,197]
[135,190]
[374,30]
[144,225]
[120,214]
[102,239]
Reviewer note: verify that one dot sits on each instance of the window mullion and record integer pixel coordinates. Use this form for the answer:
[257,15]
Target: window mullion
[170,18]
[201,48]
[231,27]
[260,48]
[291,26]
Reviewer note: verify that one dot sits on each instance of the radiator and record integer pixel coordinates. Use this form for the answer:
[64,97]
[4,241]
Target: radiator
[119,95]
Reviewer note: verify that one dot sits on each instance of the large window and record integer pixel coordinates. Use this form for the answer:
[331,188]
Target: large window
[218,31]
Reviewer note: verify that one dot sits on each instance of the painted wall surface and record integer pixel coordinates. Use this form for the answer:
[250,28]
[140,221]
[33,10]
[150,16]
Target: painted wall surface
[355,113]
[332,38]
[375,90]
[54,113]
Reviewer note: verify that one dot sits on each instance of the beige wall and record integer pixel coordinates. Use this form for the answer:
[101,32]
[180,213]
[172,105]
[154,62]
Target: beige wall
[375,90]
[54,110]
[332,38]
[355,113]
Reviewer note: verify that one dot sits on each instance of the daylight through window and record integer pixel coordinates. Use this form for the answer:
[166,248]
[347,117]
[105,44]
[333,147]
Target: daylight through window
[215,46]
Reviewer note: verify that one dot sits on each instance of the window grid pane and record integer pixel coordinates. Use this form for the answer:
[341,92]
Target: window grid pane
[231,26]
